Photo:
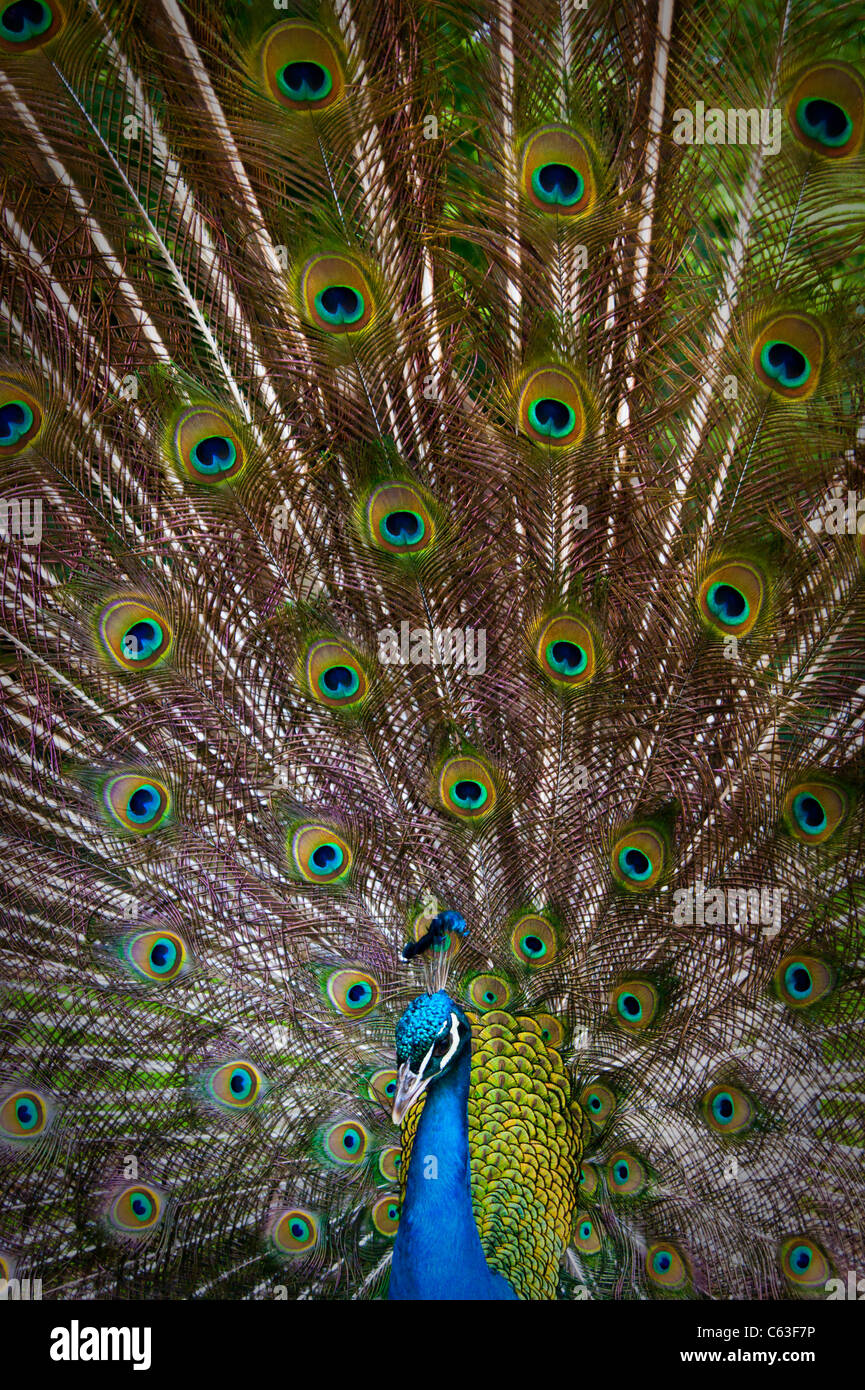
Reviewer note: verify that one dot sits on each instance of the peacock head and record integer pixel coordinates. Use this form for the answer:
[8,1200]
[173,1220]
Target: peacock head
[431,1035]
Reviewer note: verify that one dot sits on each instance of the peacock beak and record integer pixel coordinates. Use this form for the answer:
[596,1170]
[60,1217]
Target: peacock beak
[409,1086]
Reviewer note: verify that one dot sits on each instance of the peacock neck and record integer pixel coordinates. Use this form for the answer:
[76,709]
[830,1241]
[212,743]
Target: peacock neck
[438,1253]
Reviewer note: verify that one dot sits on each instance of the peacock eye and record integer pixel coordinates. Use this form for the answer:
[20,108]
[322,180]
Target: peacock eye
[440,1047]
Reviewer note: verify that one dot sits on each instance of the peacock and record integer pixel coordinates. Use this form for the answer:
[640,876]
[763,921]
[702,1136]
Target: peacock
[433,621]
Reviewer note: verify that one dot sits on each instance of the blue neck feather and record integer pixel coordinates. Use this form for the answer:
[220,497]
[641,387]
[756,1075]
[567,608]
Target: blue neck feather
[438,1253]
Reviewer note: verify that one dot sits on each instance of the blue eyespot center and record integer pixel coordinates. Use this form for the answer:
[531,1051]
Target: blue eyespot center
[785,364]
[25,19]
[240,1083]
[304,80]
[595,1103]
[551,417]
[801,1258]
[567,658]
[810,815]
[662,1262]
[340,682]
[825,121]
[339,304]
[798,980]
[469,794]
[723,1108]
[214,454]
[585,1230]
[630,1007]
[621,1172]
[359,995]
[16,418]
[634,863]
[727,603]
[402,528]
[141,640]
[141,1205]
[26,1114]
[143,804]
[326,859]
[163,956]
[558,184]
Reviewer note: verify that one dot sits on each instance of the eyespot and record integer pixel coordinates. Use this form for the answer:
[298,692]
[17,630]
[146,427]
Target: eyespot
[28,24]
[23,1115]
[552,1031]
[385,1216]
[139,804]
[826,110]
[556,172]
[533,942]
[300,67]
[730,598]
[551,409]
[136,1209]
[134,634]
[346,1142]
[335,676]
[801,980]
[665,1266]
[634,1005]
[157,955]
[206,446]
[20,416]
[804,1263]
[336,295]
[320,855]
[295,1232]
[589,1180]
[382,1088]
[813,811]
[488,992]
[235,1085]
[787,356]
[399,519]
[389,1161]
[626,1175]
[598,1102]
[638,860]
[587,1235]
[466,788]
[727,1109]
[353,993]
[565,651]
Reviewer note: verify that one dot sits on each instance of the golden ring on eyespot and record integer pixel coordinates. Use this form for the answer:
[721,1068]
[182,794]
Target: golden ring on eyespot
[804,1263]
[206,446]
[134,634]
[353,993]
[20,416]
[826,110]
[488,992]
[551,409]
[236,1085]
[552,1031]
[731,597]
[389,1161]
[814,810]
[589,1179]
[399,520]
[37,23]
[301,67]
[587,1234]
[137,802]
[158,955]
[336,295]
[638,859]
[334,674]
[665,1265]
[137,1208]
[23,1115]
[385,1215]
[634,1005]
[382,1088]
[295,1232]
[787,356]
[346,1141]
[533,941]
[466,787]
[802,979]
[626,1176]
[727,1109]
[565,651]
[556,172]
[598,1102]
[319,854]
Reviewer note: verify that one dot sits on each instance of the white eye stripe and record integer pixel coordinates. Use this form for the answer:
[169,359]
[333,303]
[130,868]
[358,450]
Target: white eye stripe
[455,1039]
